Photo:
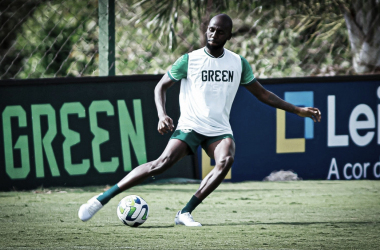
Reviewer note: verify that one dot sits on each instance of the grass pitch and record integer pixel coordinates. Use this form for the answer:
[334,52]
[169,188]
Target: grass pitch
[250,215]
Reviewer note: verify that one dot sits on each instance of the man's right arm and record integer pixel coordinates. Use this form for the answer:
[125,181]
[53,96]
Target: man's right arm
[165,123]
[175,74]
[273,100]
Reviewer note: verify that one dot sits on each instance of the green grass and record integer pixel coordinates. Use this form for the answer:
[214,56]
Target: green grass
[250,215]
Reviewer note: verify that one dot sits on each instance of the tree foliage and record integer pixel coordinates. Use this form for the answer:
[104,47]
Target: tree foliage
[13,14]
[298,38]
[321,18]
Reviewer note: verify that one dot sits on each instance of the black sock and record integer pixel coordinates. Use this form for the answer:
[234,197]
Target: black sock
[191,205]
[109,194]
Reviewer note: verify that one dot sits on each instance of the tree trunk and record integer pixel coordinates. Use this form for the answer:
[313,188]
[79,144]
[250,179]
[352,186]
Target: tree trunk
[363,24]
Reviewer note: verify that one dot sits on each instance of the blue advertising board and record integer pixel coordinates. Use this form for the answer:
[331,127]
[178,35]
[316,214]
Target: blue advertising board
[345,145]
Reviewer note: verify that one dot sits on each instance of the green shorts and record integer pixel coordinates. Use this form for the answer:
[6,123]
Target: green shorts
[194,139]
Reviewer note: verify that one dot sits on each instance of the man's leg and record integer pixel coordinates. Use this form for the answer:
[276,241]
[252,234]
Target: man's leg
[223,152]
[174,151]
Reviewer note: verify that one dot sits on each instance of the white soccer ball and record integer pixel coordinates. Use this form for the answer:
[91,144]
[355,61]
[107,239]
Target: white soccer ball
[133,210]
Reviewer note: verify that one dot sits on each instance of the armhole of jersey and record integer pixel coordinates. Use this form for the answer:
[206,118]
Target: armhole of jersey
[172,77]
[251,82]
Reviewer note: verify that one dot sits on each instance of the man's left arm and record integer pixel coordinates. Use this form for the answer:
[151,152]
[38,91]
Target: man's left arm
[273,100]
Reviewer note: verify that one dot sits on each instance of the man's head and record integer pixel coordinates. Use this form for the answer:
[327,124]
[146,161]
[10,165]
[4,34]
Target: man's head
[218,31]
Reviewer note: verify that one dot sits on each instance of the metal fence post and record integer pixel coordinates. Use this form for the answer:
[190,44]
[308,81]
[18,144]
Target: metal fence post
[106,37]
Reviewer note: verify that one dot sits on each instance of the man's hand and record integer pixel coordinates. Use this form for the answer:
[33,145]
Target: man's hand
[313,113]
[165,124]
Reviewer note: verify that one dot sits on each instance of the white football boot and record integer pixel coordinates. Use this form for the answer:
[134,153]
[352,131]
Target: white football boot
[86,211]
[186,219]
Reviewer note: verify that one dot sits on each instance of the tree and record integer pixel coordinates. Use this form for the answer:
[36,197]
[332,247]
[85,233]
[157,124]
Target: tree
[363,23]
[48,38]
[362,20]
[12,16]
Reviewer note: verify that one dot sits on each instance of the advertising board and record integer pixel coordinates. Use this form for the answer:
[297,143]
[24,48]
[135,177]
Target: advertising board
[345,145]
[79,132]
[93,131]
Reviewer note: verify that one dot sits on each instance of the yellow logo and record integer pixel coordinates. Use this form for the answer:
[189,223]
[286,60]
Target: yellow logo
[294,145]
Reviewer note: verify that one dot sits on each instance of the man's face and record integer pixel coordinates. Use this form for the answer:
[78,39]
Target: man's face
[218,32]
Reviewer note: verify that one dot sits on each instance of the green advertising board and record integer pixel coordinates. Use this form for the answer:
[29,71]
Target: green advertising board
[77,132]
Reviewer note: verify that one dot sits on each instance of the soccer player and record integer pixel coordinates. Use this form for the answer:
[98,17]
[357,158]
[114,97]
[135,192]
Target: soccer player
[210,78]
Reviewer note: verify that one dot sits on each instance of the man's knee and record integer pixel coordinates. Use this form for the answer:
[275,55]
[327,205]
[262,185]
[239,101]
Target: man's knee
[161,165]
[226,162]
[229,160]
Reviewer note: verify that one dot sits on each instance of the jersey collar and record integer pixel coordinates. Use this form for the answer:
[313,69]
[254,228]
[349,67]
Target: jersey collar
[212,55]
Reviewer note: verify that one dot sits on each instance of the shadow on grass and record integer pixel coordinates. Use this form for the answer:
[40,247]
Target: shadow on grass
[148,227]
[157,227]
[186,190]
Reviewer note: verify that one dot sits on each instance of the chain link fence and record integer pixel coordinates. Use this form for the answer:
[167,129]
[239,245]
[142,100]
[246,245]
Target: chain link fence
[44,39]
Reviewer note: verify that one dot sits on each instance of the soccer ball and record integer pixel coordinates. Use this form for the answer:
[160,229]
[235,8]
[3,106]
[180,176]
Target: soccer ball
[133,210]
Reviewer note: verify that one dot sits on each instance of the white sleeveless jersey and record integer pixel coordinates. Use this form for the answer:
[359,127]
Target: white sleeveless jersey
[208,90]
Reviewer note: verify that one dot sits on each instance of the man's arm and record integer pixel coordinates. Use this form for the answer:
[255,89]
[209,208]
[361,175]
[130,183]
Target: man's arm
[165,123]
[273,100]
